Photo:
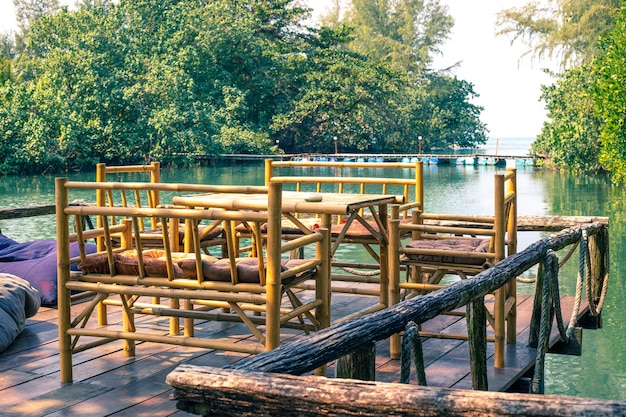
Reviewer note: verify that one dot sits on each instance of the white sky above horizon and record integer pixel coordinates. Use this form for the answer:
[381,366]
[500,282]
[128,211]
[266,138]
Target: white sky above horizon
[508,88]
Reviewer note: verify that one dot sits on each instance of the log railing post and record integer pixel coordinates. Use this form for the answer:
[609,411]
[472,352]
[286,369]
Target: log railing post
[477,338]
[360,364]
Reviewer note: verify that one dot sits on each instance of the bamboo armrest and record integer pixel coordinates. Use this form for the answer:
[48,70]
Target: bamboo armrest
[452,230]
[301,241]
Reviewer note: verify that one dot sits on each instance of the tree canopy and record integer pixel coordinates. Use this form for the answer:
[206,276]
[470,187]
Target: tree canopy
[140,80]
[586,111]
[568,30]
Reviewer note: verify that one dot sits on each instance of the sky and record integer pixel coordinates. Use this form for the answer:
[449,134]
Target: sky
[509,88]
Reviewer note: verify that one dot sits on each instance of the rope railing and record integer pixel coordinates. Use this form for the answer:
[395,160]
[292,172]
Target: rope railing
[345,337]
[548,284]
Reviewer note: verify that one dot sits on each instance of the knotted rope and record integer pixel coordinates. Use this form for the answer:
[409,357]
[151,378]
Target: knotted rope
[358,272]
[584,269]
[550,299]
[412,349]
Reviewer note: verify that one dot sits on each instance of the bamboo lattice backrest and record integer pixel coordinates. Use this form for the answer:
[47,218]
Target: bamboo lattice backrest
[129,198]
[500,228]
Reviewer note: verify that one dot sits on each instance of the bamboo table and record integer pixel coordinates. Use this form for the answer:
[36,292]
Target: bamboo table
[347,208]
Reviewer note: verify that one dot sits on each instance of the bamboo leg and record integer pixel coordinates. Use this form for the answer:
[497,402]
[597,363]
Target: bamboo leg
[384,258]
[63,276]
[511,318]
[393,260]
[498,355]
[322,287]
[273,292]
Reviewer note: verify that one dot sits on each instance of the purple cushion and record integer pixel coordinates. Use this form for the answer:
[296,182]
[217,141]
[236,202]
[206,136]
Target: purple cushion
[36,262]
[5,242]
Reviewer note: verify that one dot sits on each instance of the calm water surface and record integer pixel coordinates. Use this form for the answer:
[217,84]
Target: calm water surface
[600,372]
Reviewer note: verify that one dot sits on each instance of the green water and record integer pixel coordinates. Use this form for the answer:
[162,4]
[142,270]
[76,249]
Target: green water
[600,372]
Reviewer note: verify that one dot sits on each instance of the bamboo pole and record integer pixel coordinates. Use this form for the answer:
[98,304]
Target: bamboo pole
[511,234]
[323,285]
[63,277]
[273,290]
[395,346]
[500,294]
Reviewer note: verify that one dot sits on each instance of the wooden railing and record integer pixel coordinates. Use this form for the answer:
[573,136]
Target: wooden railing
[198,390]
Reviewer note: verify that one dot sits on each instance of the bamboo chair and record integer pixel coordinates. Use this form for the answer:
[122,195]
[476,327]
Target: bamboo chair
[257,291]
[345,229]
[445,244]
[211,235]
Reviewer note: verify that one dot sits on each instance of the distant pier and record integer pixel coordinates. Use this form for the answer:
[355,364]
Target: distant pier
[428,159]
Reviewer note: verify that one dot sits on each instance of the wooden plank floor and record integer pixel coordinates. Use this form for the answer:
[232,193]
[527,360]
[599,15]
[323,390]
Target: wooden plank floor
[108,384]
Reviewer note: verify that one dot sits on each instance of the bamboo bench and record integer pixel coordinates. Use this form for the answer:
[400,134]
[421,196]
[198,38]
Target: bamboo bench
[257,291]
[410,192]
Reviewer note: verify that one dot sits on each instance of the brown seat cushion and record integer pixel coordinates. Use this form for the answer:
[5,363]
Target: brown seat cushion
[95,264]
[214,269]
[219,270]
[188,264]
[356,229]
[475,245]
[154,261]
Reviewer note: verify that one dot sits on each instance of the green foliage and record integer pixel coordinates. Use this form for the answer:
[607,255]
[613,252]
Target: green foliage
[610,99]
[568,29]
[134,81]
[570,138]
[586,106]
[404,33]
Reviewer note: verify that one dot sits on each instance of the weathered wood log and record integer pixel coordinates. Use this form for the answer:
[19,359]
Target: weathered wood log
[555,223]
[218,392]
[33,211]
[477,332]
[21,212]
[338,340]
[531,223]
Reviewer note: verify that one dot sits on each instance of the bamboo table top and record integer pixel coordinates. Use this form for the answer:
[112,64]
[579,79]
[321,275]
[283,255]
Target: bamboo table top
[292,201]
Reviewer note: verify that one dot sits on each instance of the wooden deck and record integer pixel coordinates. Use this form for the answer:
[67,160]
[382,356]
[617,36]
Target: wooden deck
[109,384]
